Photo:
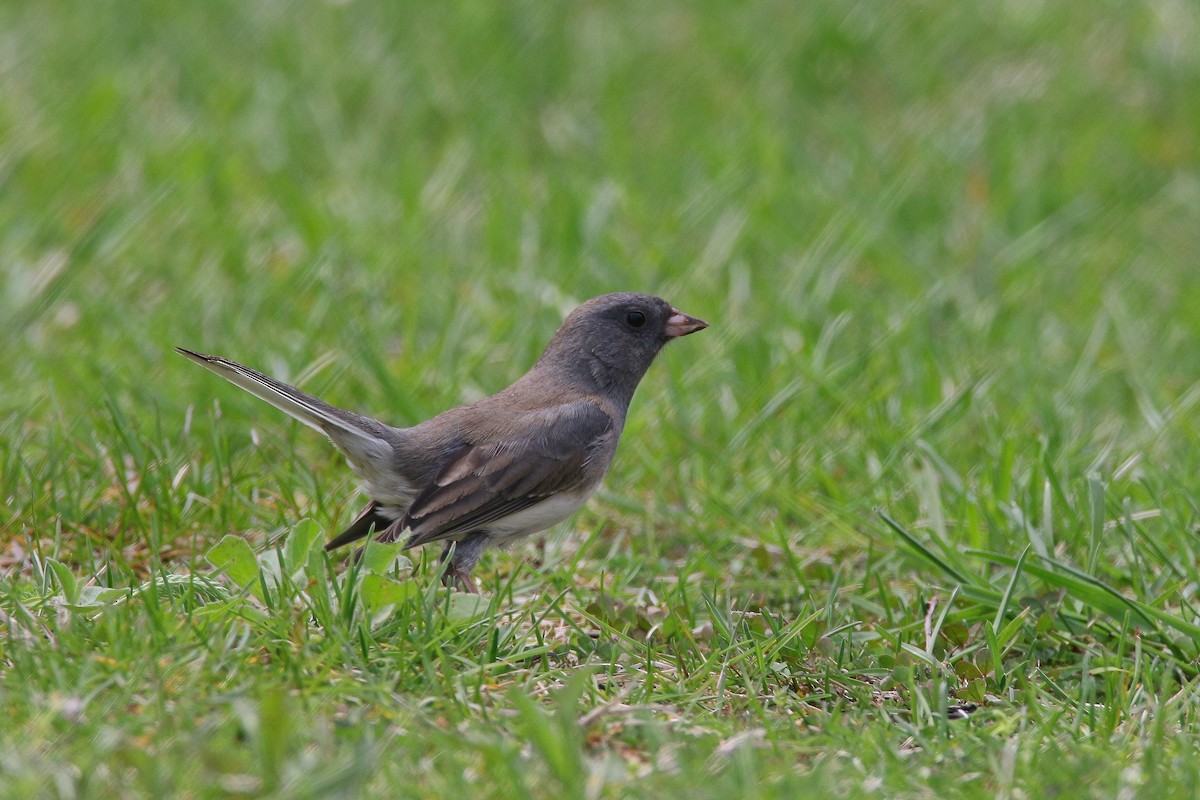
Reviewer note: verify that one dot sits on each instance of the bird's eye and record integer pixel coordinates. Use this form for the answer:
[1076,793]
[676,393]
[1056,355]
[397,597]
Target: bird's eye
[636,319]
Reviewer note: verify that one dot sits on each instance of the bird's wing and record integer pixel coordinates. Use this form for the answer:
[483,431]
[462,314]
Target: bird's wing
[363,440]
[485,482]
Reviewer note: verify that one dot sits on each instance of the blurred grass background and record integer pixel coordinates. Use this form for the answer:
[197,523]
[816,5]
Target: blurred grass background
[948,251]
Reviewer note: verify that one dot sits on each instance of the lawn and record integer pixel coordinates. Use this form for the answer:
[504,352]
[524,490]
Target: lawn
[915,518]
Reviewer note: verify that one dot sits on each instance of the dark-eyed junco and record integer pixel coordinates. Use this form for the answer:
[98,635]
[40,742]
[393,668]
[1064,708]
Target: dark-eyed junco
[506,466]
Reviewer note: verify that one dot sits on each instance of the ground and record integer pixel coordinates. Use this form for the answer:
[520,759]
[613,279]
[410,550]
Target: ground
[916,517]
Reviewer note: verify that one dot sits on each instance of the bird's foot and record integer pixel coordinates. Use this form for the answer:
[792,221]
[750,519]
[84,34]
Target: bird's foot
[458,578]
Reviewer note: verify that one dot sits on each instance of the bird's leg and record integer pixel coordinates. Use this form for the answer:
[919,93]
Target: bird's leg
[457,576]
[465,581]
[462,557]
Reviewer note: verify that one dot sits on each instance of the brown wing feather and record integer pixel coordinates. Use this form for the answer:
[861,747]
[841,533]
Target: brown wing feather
[487,482]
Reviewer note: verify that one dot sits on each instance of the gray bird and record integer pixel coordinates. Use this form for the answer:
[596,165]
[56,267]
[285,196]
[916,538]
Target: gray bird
[506,466]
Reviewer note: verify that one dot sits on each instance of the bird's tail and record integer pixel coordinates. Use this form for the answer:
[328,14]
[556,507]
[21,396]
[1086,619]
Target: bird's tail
[352,433]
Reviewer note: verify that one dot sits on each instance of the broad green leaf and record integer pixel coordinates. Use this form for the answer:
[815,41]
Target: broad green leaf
[304,536]
[93,596]
[236,558]
[271,570]
[380,558]
[466,608]
[967,670]
[66,580]
[377,591]
[316,568]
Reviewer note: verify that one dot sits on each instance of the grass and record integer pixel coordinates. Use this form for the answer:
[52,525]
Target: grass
[915,518]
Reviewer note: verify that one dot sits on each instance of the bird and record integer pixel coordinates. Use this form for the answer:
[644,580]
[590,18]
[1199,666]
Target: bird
[512,464]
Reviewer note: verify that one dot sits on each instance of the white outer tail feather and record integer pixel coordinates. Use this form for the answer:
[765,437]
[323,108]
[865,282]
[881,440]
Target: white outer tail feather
[294,407]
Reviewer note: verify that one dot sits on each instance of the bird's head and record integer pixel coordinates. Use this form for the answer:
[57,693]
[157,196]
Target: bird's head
[611,340]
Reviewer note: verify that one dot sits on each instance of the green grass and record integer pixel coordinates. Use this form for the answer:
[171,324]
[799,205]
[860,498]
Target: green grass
[939,447]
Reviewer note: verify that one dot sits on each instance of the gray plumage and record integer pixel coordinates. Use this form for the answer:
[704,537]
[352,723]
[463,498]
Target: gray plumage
[512,464]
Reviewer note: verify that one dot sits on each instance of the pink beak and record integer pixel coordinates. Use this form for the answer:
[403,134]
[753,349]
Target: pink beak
[680,324]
